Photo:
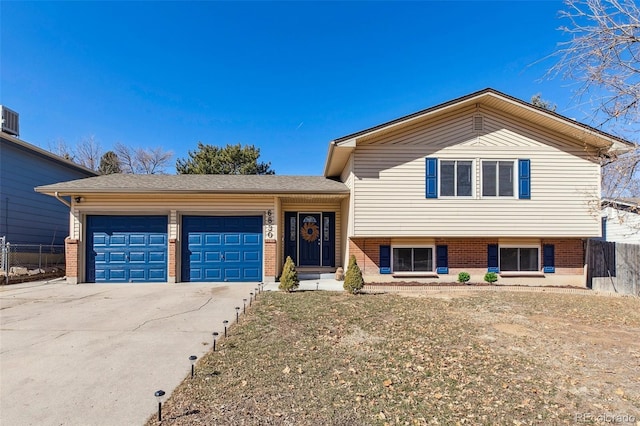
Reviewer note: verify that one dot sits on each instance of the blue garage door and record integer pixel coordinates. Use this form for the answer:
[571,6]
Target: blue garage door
[221,248]
[123,249]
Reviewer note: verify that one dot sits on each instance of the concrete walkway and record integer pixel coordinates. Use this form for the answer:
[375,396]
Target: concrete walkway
[94,354]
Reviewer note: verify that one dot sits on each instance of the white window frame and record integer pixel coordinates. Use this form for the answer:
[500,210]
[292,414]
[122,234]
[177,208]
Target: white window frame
[514,179]
[455,176]
[414,246]
[519,246]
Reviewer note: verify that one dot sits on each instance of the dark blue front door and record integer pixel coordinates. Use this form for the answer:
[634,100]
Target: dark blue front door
[309,230]
[122,249]
[221,248]
[310,238]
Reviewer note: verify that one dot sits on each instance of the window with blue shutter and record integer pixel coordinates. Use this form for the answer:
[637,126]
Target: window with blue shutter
[548,259]
[524,179]
[442,260]
[385,259]
[431,178]
[492,258]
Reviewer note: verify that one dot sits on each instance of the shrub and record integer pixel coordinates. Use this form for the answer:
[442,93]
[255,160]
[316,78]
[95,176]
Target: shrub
[491,277]
[463,277]
[353,281]
[289,278]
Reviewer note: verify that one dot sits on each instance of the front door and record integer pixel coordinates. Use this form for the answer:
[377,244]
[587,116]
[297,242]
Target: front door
[309,232]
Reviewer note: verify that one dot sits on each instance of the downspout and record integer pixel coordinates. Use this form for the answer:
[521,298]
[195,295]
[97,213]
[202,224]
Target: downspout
[63,201]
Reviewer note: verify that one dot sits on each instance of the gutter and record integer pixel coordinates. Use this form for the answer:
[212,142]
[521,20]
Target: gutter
[63,201]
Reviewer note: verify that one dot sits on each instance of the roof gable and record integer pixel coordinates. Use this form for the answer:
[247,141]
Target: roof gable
[340,149]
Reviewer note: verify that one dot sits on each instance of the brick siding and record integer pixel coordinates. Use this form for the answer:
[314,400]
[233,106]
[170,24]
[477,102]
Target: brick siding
[468,253]
[270,258]
[71,257]
[172,257]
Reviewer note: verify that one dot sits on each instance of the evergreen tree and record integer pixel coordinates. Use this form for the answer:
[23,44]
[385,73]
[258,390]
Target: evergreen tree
[289,278]
[353,281]
[230,160]
[109,164]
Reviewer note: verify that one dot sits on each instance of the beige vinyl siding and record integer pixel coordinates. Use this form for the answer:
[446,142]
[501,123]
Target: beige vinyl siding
[389,186]
[316,207]
[346,209]
[174,206]
[164,203]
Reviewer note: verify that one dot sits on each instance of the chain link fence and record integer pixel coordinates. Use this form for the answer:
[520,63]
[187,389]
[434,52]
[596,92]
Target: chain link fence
[27,262]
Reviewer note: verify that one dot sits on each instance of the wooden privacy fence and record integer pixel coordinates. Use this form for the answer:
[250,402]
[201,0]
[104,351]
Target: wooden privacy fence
[614,267]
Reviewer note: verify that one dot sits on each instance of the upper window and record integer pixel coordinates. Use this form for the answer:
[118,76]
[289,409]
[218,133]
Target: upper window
[455,178]
[412,259]
[519,258]
[498,178]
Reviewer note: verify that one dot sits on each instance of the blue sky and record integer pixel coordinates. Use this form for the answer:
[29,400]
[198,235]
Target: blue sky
[287,77]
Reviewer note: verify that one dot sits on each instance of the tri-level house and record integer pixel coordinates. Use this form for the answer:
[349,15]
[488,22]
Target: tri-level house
[485,182]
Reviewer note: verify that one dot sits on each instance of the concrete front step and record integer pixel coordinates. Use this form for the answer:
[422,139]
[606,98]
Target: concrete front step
[316,275]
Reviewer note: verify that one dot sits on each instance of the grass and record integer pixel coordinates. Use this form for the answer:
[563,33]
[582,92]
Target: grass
[480,358]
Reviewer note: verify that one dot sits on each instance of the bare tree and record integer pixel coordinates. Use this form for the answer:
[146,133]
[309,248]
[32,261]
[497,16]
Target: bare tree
[62,149]
[141,160]
[603,58]
[88,152]
[153,160]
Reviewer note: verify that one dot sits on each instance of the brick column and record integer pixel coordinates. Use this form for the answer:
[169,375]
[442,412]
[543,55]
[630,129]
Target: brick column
[172,261]
[71,259]
[270,260]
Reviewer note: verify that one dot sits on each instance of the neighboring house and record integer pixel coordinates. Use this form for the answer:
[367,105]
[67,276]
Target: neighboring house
[27,217]
[621,220]
[482,183]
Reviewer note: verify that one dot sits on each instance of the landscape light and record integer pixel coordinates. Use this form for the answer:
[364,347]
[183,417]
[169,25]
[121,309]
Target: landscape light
[215,337]
[193,358]
[160,397]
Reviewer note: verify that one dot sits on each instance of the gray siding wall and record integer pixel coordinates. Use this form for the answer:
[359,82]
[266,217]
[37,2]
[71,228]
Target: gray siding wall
[27,217]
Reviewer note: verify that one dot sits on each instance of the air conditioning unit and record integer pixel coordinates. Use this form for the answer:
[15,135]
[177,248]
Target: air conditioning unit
[10,121]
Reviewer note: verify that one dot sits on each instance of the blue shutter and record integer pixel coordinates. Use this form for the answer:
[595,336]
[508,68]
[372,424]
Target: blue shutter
[442,260]
[548,259]
[492,258]
[524,179]
[431,178]
[385,259]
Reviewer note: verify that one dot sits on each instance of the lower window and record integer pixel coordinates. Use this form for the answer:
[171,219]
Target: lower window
[519,258]
[413,259]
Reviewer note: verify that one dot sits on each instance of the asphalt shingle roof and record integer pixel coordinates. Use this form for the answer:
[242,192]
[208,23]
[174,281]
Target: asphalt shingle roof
[198,183]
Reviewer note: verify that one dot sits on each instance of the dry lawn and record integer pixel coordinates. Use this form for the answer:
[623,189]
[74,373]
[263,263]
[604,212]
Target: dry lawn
[320,358]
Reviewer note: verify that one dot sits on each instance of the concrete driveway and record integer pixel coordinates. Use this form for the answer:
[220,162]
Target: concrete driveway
[94,354]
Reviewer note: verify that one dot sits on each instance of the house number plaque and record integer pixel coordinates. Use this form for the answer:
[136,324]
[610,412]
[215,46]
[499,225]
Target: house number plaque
[269,223]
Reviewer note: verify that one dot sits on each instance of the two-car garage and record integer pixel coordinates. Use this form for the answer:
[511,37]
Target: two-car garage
[134,248]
